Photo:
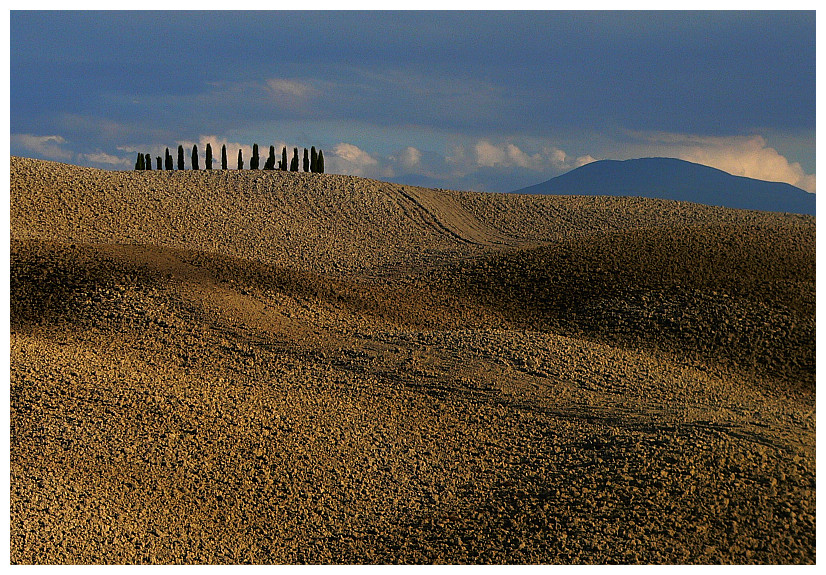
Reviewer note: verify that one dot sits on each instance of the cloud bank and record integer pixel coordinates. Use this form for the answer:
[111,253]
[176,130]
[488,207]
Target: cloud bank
[461,166]
[508,155]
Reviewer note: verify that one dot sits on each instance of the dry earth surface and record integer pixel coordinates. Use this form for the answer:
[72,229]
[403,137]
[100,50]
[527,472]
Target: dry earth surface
[270,367]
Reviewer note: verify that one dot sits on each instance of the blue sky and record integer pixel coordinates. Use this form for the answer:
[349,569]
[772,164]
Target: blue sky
[490,101]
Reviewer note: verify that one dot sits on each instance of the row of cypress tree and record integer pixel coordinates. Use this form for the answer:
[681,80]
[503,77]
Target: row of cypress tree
[313,161]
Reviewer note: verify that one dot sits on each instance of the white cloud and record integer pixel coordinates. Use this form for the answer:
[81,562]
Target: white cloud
[130,148]
[354,155]
[520,158]
[45,146]
[410,158]
[582,160]
[280,87]
[557,156]
[488,155]
[508,155]
[748,156]
[104,158]
[352,160]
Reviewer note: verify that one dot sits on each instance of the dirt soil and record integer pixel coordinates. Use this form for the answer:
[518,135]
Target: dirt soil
[268,367]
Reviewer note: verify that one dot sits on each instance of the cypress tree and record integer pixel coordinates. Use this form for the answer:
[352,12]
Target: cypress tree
[139,162]
[209,156]
[284,158]
[254,159]
[180,157]
[158,163]
[168,160]
[147,162]
[240,160]
[223,156]
[320,163]
[270,163]
[313,160]
[306,161]
[195,157]
[294,162]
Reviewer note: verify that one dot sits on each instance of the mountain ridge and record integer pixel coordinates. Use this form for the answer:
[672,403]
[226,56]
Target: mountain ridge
[675,179]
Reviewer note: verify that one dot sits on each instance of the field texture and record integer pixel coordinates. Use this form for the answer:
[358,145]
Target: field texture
[270,367]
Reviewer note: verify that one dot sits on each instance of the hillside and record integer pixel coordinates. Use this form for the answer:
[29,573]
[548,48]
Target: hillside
[270,367]
[672,179]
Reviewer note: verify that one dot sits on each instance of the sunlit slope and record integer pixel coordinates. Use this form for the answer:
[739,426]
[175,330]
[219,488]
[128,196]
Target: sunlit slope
[318,222]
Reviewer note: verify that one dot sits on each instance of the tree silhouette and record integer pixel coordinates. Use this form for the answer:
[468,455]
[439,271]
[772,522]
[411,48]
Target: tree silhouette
[139,162]
[254,159]
[147,162]
[320,162]
[158,163]
[180,157]
[270,163]
[223,156]
[294,162]
[195,157]
[306,161]
[240,160]
[284,158]
[313,160]
[209,156]
[168,160]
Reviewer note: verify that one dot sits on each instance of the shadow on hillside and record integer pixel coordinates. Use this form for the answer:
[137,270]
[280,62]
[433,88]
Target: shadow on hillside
[737,295]
[742,297]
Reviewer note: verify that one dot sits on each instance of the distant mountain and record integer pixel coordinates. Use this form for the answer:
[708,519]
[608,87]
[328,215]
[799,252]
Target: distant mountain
[672,179]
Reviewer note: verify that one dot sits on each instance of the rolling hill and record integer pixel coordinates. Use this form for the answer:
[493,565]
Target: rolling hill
[672,179]
[271,367]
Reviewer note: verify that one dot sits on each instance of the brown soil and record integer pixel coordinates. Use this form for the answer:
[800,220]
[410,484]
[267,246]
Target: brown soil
[267,367]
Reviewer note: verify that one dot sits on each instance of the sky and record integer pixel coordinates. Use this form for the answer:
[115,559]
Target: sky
[466,100]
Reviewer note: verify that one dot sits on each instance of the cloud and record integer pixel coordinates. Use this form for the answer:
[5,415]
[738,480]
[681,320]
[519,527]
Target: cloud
[520,158]
[354,155]
[488,155]
[748,156]
[582,160]
[352,160]
[280,87]
[509,155]
[104,158]
[410,158]
[45,146]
